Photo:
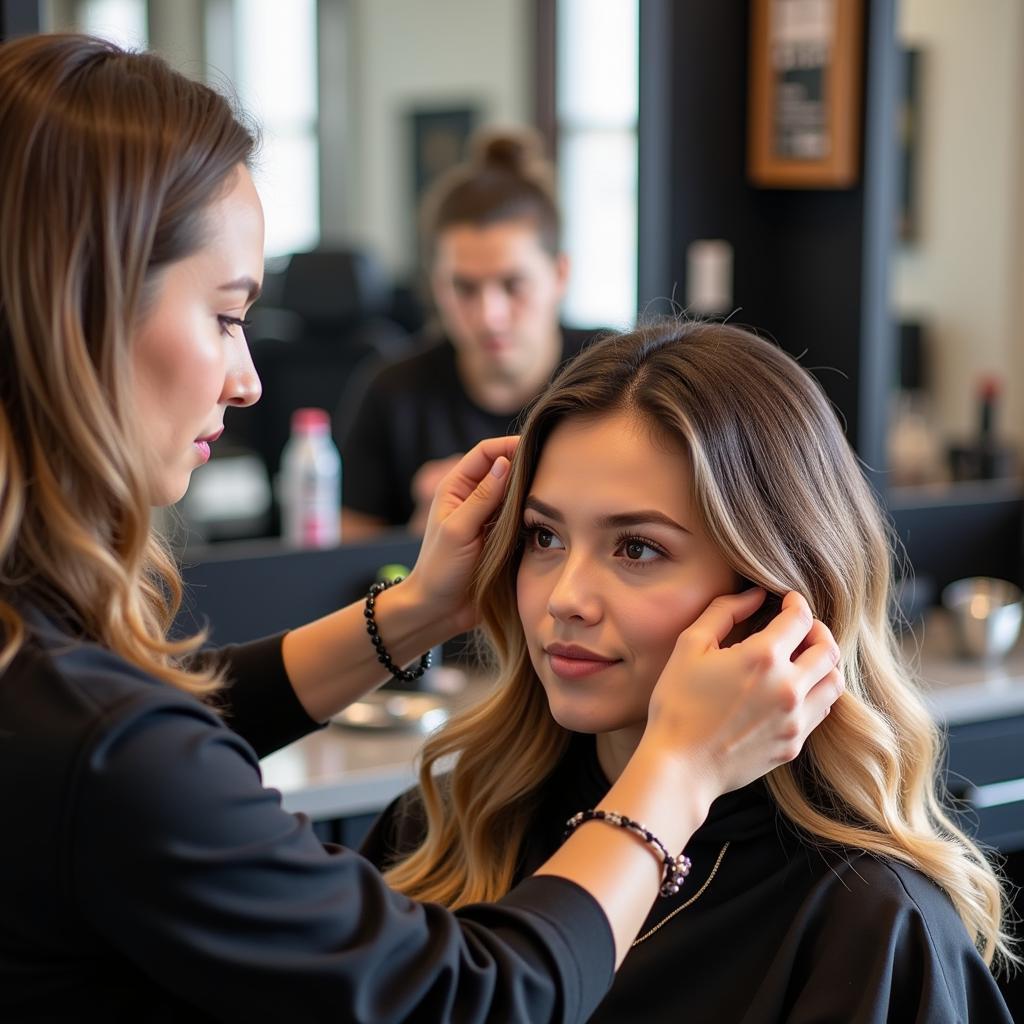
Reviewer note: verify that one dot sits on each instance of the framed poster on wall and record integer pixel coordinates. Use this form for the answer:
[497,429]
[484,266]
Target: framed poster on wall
[804,110]
[438,140]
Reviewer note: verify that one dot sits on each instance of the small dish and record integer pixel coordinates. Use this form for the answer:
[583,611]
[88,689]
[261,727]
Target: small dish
[396,710]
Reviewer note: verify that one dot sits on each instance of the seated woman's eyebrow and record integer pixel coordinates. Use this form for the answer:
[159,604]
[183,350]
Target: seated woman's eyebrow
[618,520]
[547,511]
[621,519]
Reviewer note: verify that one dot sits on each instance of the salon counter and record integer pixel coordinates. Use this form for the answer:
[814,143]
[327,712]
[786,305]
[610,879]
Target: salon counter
[341,772]
[962,691]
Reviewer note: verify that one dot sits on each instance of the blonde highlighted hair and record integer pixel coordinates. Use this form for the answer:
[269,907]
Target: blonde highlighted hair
[110,161]
[778,487]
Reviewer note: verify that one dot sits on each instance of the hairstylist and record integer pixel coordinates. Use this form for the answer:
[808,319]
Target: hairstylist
[145,873]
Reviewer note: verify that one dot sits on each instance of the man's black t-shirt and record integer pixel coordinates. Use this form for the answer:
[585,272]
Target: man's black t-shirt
[396,417]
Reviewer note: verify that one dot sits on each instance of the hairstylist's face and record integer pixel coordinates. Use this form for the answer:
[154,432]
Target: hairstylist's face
[498,291]
[191,356]
[615,567]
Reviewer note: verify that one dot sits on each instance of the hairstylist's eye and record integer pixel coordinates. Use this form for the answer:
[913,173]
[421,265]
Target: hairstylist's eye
[638,550]
[228,322]
[541,538]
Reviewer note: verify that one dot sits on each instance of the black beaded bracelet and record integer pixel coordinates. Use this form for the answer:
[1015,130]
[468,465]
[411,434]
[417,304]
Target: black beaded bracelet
[407,675]
[674,869]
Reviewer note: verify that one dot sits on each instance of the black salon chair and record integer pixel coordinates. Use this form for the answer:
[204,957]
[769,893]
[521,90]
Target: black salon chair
[332,314]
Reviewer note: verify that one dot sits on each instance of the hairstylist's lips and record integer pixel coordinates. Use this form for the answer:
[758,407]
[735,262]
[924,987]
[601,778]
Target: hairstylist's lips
[202,444]
[570,661]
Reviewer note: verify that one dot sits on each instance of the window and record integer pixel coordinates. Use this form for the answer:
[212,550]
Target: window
[121,21]
[270,60]
[597,107]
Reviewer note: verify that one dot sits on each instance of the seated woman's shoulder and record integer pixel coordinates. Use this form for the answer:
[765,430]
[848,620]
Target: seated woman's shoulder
[882,891]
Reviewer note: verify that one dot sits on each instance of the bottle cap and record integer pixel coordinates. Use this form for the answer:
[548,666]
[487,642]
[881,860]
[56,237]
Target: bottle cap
[310,421]
[989,387]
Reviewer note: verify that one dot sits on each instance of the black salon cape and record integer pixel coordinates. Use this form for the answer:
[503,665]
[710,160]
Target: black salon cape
[146,874]
[784,932]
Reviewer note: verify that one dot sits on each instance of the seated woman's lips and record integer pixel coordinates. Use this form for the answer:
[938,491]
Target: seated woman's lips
[573,662]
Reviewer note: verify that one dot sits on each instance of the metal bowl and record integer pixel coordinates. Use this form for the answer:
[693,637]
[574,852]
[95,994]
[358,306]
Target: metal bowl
[986,615]
[395,709]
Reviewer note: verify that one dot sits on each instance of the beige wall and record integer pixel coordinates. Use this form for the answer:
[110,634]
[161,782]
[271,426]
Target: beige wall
[964,273]
[405,55]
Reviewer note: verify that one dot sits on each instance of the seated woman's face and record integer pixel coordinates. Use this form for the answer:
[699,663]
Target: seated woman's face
[615,566]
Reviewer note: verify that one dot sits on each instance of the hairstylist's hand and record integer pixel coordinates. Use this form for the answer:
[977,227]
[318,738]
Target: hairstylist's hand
[466,498]
[734,713]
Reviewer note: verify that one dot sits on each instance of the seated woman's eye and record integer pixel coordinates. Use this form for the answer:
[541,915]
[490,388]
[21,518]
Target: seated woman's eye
[636,549]
[544,538]
[540,538]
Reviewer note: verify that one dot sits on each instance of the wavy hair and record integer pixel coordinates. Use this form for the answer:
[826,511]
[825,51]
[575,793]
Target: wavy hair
[110,160]
[777,485]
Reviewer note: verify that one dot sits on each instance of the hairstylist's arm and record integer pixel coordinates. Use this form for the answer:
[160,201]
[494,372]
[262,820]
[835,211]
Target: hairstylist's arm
[719,718]
[331,662]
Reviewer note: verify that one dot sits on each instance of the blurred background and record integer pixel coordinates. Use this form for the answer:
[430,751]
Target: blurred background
[901,287]
[692,141]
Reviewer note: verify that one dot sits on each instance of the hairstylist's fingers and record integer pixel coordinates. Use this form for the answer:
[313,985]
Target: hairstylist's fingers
[818,633]
[788,629]
[823,695]
[818,660]
[467,520]
[721,617]
[475,466]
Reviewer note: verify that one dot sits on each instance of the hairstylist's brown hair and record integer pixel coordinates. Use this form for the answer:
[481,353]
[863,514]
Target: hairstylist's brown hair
[506,178]
[109,162]
[776,484]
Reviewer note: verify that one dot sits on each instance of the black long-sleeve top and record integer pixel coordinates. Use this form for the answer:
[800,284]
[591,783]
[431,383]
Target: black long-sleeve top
[786,931]
[146,874]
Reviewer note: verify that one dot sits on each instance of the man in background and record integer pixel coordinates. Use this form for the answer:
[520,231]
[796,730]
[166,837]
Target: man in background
[497,276]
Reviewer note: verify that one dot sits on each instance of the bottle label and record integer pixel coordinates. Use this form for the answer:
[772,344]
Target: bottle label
[318,519]
[311,495]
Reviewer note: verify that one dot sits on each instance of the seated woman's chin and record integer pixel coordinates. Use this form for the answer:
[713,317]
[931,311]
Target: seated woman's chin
[593,720]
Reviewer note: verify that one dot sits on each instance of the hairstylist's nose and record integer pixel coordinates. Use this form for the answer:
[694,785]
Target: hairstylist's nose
[242,385]
[574,598]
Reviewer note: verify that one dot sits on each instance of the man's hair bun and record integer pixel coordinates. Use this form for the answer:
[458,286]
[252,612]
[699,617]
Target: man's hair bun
[516,152]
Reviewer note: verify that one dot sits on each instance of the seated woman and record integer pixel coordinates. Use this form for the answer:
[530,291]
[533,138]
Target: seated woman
[663,468]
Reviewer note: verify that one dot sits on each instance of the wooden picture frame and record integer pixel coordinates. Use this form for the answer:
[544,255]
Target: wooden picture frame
[804,113]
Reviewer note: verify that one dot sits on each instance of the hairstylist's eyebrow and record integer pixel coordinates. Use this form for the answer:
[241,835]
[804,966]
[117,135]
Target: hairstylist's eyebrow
[243,283]
[616,521]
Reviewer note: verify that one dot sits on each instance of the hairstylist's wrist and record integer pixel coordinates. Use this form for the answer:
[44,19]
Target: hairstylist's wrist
[666,789]
[409,621]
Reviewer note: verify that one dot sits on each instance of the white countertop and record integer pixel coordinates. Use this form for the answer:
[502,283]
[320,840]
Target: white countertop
[959,690]
[340,771]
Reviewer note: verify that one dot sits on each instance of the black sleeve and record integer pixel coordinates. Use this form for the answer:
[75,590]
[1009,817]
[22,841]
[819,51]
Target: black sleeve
[363,436]
[398,830]
[258,700]
[183,863]
[897,953]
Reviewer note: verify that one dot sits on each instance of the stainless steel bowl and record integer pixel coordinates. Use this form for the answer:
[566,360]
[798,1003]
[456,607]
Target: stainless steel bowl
[396,709]
[986,615]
